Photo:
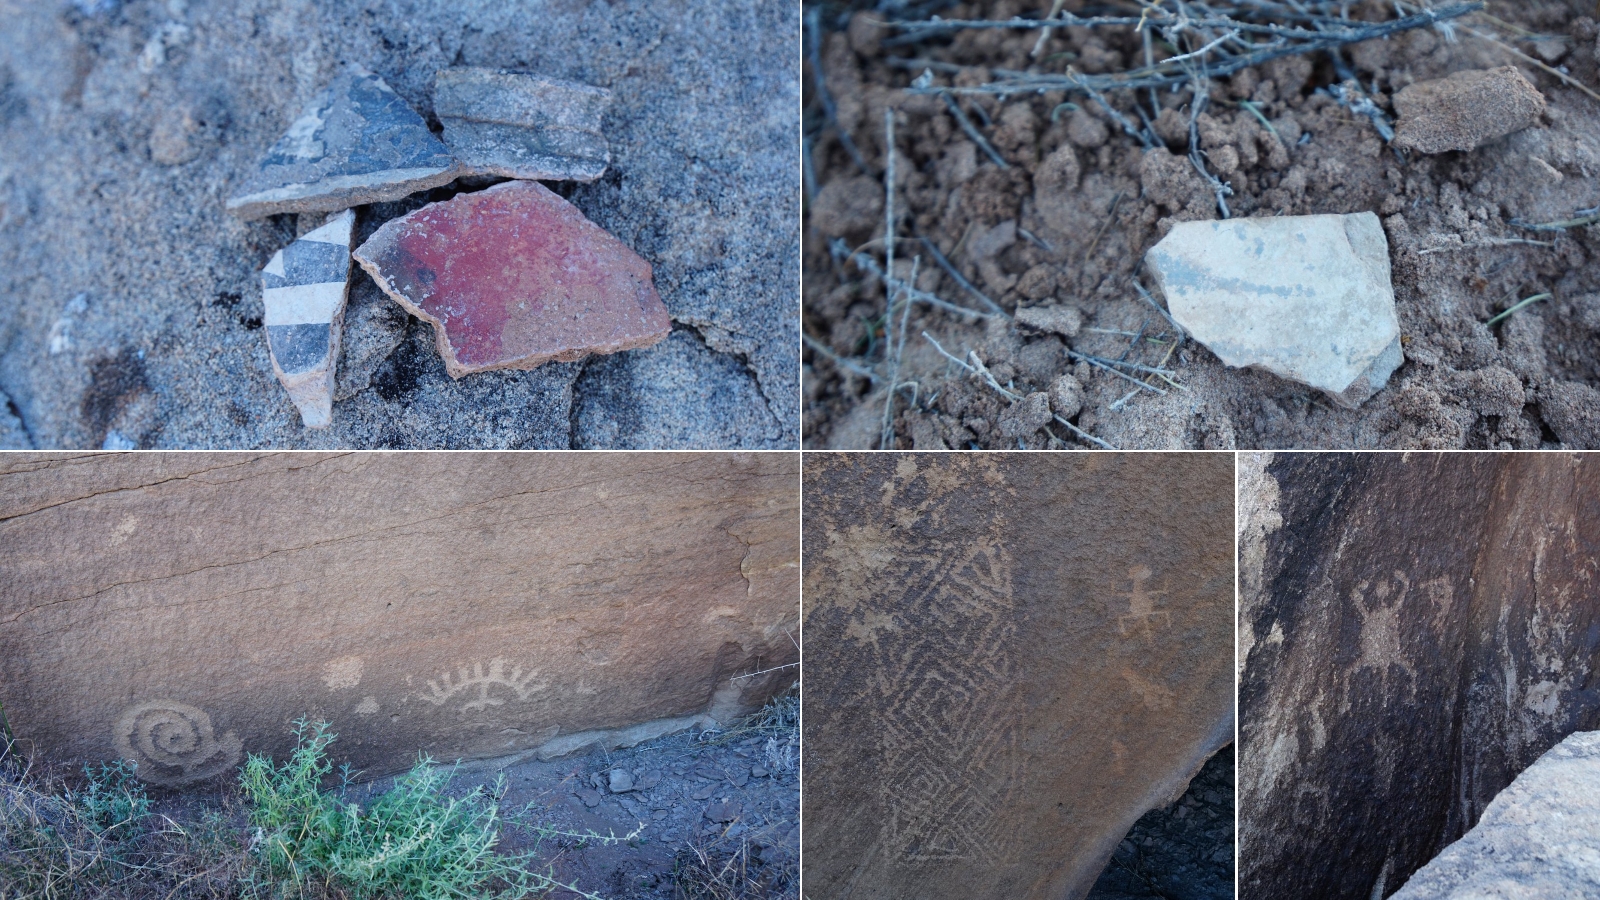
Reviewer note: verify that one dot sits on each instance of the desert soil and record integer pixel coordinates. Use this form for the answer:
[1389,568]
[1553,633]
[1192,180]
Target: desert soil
[723,802]
[1529,381]
[130,302]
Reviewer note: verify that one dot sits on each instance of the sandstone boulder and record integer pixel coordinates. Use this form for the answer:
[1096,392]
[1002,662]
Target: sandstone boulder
[1417,629]
[1009,659]
[1537,838]
[181,610]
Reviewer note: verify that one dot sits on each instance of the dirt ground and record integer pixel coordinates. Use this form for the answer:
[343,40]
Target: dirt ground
[717,813]
[1071,217]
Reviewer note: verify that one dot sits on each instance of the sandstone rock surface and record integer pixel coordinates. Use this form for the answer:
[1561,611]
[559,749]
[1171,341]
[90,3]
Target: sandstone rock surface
[997,684]
[357,142]
[513,277]
[519,125]
[1538,838]
[183,609]
[303,291]
[1465,110]
[1306,298]
[1418,630]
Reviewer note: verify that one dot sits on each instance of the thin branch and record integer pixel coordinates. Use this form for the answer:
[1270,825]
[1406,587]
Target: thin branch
[973,133]
[1286,41]
[981,371]
[961,280]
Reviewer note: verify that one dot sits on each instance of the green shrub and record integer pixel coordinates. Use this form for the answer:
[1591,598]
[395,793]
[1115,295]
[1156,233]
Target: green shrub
[112,799]
[411,842]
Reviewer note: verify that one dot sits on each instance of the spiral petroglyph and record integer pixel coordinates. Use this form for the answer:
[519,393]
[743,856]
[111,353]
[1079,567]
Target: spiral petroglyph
[174,743]
[521,685]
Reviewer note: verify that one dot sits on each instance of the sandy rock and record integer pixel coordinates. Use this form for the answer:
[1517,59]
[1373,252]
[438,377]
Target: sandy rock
[513,277]
[304,288]
[357,142]
[1572,410]
[1465,110]
[1536,838]
[1306,298]
[179,609]
[1418,630]
[1066,396]
[1026,416]
[1058,318]
[969,734]
[518,125]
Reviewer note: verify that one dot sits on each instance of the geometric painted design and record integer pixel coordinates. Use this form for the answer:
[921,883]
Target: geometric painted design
[358,142]
[304,288]
[513,277]
[516,125]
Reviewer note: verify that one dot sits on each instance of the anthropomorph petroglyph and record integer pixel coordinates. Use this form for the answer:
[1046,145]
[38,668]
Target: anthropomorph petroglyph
[173,743]
[1380,631]
[1142,605]
[484,679]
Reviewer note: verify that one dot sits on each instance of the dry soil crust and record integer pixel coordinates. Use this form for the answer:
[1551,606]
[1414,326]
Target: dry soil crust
[1096,202]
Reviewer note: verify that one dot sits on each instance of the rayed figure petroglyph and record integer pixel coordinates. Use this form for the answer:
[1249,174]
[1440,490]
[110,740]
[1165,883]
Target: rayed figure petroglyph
[484,679]
[1142,610]
[173,743]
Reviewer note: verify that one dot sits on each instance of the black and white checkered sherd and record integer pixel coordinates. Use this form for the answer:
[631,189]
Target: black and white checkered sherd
[304,289]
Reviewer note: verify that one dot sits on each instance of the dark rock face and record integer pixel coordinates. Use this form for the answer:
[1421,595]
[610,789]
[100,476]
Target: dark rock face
[1535,840]
[1009,660]
[1415,630]
[1184,850]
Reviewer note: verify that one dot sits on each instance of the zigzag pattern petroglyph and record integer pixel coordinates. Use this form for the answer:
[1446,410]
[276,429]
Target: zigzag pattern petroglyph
[950,747]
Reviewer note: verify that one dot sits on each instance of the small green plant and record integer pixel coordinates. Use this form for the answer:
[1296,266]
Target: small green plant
[112,800]
[413,841]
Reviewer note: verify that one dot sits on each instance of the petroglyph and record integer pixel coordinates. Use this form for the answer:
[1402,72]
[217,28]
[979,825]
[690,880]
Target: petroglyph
[951,756]
[343,673]
[484,679]
[173,743]
[1142,610]
[367,706]
[1380,631]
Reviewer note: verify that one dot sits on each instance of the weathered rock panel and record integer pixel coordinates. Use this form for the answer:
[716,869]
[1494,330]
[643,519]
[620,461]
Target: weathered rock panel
[183,609]
[1536,839]
[1009,659]
[1419,629]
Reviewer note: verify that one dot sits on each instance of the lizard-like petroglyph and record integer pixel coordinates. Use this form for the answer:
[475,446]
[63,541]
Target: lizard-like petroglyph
[1380,631]
[1142,611]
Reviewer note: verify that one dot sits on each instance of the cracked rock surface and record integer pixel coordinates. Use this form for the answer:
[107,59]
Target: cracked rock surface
[137,321]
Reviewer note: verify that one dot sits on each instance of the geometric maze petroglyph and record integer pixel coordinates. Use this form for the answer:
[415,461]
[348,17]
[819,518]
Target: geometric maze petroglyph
[949,742]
